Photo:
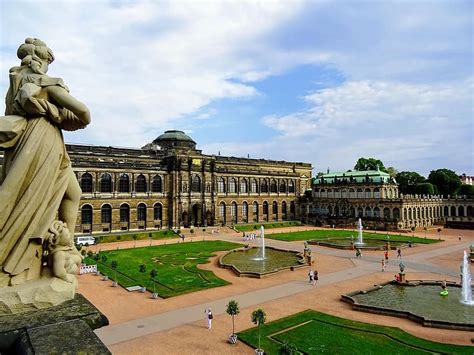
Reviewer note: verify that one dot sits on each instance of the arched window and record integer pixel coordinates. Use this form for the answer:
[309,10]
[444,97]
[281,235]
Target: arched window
[253,186]
[343,193]
[245,212]
[461,211]
[273,186]
[283,210]
[232,185]
[141,184]
[233,212]
[106,183]
[157,212]
[275,207]
[265,208]
[337,193]
[220,185]
[282,186]
[86,183]
[376,192]
[291,186]
[446,211]
[86,214]
[141,212]
[360,212]
[106,213]
[124,183]
[196,185]
[469,211]
[386,213]
[330,193]
[124,213]
[396,213]
[263,186]
[360,193]
[368,212]
[351,193]
[330,210]
[243,186]
[453,211]
[222,212]
[323,193]
[255,211]
[157,185]
[368,193]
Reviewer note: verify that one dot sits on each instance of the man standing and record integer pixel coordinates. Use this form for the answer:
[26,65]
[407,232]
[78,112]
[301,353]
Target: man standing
[209,318]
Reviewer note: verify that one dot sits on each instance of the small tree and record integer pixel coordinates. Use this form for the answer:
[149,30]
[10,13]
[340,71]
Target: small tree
[232,310]
[259,318]
[439,233]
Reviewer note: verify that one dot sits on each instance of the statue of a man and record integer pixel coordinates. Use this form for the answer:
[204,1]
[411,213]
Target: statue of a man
[37,181]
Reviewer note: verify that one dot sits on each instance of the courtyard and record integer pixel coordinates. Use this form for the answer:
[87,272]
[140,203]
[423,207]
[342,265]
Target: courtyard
[177,325]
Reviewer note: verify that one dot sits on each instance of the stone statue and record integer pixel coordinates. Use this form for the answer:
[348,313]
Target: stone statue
[37,181]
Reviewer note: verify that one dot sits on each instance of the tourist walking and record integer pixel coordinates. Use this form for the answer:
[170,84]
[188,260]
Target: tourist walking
[311,276]
[383,264]
[399,253]
[315,277]
[386,255]
[358,253]
[209,317]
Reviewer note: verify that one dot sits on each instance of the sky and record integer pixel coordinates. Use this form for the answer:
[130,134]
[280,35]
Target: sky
[322,82]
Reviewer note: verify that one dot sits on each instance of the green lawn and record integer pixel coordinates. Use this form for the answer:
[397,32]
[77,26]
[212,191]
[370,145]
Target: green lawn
[268,225]
[312,332]
[176,265]
[329,233]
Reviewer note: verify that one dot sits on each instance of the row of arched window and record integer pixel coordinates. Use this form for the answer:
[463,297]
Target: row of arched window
[355,193]
[411,213]
[124,184]
[106,213]
[244,211]
[252,185]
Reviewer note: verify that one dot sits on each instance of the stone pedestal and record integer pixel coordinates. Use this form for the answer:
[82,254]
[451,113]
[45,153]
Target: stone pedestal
[402,277]
[63,329]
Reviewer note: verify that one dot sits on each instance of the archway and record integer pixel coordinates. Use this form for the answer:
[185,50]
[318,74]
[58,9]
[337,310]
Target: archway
[196,215]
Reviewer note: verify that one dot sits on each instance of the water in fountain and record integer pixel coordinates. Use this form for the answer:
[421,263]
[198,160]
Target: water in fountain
[466,293]
[261,253]
[360,240]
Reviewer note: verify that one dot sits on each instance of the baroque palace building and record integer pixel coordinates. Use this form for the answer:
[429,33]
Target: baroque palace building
[341,198]
[169,183]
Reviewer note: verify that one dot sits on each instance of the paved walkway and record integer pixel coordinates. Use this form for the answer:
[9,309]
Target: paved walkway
[368,265]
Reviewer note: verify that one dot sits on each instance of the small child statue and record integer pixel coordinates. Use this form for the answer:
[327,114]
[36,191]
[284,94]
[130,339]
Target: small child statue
[63,255]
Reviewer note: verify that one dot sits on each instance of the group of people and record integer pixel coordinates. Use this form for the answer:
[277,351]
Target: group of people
[249,236]
[385,259]
[313,276]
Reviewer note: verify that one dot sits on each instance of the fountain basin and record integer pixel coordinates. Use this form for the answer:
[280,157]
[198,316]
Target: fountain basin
[419,301]
[245,261]
[369,244]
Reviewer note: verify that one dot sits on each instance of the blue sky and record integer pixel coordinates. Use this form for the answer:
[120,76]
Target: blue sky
[324,82]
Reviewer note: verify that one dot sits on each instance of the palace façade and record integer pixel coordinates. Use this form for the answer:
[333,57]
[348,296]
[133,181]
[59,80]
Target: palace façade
[169,183]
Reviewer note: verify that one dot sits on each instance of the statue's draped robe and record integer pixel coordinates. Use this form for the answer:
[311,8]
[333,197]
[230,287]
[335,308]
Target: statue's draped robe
[36,171]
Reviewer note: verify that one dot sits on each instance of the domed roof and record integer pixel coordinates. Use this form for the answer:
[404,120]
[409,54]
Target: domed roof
[173,135]
[175,139]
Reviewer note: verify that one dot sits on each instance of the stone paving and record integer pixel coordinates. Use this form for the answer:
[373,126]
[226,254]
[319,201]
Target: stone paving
[177,325]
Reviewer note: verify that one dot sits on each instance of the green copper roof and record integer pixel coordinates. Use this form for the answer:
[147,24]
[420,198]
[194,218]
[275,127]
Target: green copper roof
[174,135]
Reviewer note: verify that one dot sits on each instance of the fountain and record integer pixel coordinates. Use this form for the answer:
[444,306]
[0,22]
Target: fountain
[261,261]
[360,240]
[466,292]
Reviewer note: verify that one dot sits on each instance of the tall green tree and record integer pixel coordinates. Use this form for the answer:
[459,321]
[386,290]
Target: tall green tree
[391,171]
[425,188]
[232,310]
[259,317]
[447,181]
[369,164]
[467,190]
[407,181]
